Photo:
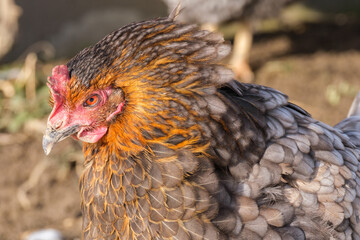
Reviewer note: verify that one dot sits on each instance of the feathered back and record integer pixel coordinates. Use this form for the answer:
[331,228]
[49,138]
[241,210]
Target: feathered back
[351,125]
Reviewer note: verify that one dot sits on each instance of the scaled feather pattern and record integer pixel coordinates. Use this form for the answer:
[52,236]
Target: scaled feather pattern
[176,149]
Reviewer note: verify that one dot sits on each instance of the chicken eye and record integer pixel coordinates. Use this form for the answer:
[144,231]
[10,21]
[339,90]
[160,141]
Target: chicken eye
[91,101]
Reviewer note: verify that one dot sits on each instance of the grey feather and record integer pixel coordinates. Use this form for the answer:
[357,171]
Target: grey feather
[355,106]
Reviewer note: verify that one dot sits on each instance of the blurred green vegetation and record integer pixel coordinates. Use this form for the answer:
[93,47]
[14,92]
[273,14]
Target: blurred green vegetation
[23,93]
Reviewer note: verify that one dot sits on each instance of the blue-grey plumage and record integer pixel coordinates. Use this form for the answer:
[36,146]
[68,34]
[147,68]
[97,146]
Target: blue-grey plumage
[355,106]
[351,125]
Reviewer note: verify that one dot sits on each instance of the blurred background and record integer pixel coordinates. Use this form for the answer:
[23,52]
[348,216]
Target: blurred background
[310,51]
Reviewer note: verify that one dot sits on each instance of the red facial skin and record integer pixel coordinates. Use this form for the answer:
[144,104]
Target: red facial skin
[81,118]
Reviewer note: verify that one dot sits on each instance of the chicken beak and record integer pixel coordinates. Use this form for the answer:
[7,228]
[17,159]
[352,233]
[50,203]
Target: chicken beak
[53,136]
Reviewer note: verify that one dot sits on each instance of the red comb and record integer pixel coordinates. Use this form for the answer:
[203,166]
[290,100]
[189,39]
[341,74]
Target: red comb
[57,82]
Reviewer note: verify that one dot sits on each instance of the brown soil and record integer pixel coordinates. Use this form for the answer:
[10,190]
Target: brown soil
[311,65]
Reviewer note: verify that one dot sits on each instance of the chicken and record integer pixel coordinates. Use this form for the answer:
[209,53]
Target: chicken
[211,13]
[176,149]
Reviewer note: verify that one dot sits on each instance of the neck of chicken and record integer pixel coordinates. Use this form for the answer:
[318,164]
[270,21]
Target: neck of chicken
[167,170]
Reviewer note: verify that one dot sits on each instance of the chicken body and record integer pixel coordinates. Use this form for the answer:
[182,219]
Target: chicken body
[175,149]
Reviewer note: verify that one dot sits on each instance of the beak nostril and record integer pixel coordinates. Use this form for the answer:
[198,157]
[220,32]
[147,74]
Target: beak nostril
[58,124]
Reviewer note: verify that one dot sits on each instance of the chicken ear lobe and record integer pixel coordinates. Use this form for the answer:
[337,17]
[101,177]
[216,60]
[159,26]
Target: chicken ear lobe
[117,111]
